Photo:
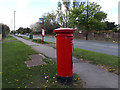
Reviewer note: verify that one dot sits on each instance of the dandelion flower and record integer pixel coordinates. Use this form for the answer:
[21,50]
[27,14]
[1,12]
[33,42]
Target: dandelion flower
[53,77]
[18,87]
[9,82]
[45,77]
[17,80]
[31,82]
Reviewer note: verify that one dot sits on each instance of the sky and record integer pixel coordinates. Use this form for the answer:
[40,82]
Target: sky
[29,11]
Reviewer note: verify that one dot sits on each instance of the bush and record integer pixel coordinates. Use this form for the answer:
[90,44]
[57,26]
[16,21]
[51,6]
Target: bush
[37,40]
[115,29]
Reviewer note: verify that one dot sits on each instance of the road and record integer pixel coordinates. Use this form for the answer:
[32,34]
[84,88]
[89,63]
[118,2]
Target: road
[102,47]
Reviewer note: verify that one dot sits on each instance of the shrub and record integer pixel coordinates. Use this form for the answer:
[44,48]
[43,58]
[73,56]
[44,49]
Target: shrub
[37,40]
[115,29]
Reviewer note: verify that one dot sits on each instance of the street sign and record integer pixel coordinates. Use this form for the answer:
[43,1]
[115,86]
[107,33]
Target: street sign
[41,20]
[43,32]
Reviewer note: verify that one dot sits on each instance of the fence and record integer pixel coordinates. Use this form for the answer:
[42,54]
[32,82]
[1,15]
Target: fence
[101,36]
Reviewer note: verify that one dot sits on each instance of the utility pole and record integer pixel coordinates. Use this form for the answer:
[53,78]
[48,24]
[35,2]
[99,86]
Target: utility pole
[87,23]
[14,20]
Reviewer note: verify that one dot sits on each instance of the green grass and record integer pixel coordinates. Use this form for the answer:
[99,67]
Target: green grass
[9,38]
[96,58]
[17,75]
[26,38]
[40,41]
[36,40]
[110,62]
[23,37]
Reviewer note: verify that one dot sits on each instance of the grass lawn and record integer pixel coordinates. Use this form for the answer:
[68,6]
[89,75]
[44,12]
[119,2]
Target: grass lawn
[9,38]
[17,75]
[23,37]
[110,61]
[26,38]
[36,40]
[40,41]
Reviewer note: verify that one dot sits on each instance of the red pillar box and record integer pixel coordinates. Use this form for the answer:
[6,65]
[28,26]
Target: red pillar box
[64,45]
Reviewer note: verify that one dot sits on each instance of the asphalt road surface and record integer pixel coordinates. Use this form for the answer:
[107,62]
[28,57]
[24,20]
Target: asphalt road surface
[102,47]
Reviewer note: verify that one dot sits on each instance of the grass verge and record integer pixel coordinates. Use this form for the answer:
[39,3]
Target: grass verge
[23,37]
[40,41]
[9,38]
[17,75]
[108,62]
[36,40]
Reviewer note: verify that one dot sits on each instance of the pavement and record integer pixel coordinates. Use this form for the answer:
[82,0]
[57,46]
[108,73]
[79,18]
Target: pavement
[93,76]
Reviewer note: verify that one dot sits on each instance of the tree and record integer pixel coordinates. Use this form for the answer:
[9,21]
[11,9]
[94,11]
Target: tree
[5,30]
[77,3]
[51,22]
[110,25]
[67,6]
[23,30]
[94,20]
[63,14]
[60,15]
[36,27]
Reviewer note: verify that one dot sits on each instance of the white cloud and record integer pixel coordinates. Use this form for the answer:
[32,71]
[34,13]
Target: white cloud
[108,4]
[22,3]
[111,8]
[54,0]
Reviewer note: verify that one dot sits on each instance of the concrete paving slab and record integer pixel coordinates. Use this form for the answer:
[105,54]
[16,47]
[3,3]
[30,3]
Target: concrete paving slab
[36,60]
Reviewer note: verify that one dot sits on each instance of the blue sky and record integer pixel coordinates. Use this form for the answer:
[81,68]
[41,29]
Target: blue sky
[29,11]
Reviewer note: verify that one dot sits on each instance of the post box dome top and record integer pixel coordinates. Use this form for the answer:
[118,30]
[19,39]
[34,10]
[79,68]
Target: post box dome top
[64,30]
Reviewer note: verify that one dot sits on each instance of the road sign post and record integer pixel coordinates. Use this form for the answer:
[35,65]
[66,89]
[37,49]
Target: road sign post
[41,20]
